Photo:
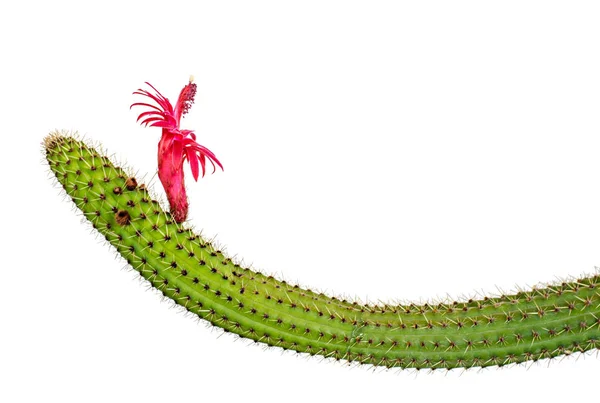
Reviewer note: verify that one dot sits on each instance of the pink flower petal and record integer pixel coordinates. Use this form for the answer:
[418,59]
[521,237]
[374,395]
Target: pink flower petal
[193,159]
[177,152]
[145,104]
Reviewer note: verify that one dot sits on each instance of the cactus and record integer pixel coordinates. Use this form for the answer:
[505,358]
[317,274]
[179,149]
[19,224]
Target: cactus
[544,322]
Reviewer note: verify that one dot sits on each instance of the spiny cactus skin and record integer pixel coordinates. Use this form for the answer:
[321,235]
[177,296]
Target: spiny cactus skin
[541,323]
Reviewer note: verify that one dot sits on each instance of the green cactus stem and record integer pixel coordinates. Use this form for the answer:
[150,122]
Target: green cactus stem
[555,320]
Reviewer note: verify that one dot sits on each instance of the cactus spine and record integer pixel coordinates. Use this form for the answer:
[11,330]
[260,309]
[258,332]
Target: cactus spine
[540,323]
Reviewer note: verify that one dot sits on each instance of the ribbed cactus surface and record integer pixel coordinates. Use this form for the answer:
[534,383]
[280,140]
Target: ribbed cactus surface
[540,323]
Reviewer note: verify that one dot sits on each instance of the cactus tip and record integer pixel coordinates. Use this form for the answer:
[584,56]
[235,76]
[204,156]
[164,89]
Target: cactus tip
[52,140]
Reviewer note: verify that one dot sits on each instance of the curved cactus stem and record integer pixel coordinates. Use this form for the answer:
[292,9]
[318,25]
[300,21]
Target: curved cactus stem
[546,322]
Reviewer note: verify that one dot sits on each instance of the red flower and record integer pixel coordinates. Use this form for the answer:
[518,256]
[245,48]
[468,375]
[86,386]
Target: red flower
[176,145]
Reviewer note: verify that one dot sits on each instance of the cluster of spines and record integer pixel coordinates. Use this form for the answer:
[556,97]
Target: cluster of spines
[540,323]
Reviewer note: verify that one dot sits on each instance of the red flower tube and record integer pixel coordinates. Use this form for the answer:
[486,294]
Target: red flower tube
[176,145]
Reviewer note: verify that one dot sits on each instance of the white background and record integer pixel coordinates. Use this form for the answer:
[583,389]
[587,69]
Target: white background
[377,150]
